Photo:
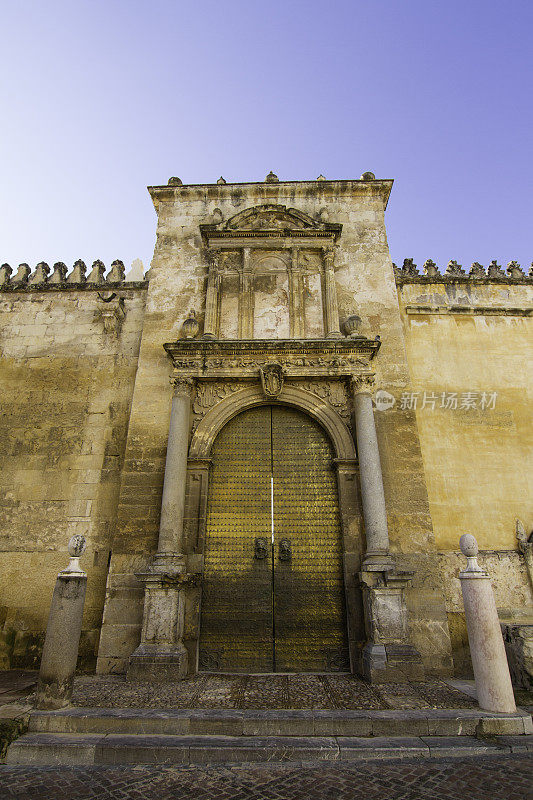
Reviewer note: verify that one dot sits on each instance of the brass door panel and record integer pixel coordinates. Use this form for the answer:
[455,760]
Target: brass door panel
[309,604]
[236,614]
[273,606]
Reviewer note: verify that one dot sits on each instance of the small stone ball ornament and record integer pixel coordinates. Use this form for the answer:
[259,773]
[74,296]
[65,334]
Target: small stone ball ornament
[76,548]
[470,549]
[190,327]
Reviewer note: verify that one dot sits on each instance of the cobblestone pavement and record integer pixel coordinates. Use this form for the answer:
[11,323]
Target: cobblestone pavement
[493,778]
[266,691]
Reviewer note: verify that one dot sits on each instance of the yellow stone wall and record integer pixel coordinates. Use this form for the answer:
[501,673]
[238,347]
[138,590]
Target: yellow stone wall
[473,338]
[65,392]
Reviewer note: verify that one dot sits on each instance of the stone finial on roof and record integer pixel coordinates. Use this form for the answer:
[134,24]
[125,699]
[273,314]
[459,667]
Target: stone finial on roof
[116,273]
[271,178]
[136,272]
[409,267]
[96,275]
[5,274]
[21,275]
[78,272]
[221,181]
[514,270]
[59,274]
[495,270]
[430,268]
[41,273]
[454,268]
[175,182]
[321,177]
[477,270]
[367,176]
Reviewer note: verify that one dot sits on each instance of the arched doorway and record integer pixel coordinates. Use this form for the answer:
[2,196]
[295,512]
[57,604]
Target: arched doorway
[273,590]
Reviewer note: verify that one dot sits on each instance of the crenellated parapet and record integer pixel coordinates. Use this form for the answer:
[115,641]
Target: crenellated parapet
[455,273]
[44,278]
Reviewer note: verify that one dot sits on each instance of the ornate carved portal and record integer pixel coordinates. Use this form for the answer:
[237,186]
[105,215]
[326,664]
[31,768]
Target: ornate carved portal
[283,378]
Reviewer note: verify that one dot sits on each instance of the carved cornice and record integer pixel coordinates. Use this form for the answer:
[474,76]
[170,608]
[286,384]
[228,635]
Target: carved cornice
[242,359]
[272,192]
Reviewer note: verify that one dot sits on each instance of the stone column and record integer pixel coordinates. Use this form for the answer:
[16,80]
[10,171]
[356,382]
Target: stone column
[296,311]
[372,495]
[161,655]
[491,671]
[211,299]
[388,654]
[332,309]
[246,298]
[60,651]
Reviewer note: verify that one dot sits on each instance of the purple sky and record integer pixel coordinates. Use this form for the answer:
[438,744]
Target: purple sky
[99,99]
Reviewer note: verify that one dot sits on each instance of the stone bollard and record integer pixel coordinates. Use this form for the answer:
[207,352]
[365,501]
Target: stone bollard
[60,651]
[491,671]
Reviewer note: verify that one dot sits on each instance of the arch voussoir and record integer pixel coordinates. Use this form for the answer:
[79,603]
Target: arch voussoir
[249,397]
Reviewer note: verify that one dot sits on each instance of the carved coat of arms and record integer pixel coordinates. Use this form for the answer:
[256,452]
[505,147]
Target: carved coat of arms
[272,379]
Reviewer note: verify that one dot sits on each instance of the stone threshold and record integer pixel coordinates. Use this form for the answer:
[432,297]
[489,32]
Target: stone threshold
[280,722]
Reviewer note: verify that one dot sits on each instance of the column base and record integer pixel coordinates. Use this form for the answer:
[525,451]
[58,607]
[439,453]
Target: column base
[150,663]
[391,663]
[388,656]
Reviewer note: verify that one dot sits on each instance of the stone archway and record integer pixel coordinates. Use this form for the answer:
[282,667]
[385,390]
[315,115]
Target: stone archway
[345,481]
[242,399]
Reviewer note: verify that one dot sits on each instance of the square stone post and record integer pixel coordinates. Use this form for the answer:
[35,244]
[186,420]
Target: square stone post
[388,654]
[161,655]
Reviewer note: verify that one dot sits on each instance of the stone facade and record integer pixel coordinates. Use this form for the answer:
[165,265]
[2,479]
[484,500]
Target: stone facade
[296,302]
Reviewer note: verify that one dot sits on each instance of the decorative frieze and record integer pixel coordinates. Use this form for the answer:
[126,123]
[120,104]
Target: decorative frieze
[299,358]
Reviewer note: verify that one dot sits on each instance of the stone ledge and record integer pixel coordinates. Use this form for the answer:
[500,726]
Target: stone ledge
[67,749]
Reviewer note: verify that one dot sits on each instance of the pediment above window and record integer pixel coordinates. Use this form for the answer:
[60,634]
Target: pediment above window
[271,220]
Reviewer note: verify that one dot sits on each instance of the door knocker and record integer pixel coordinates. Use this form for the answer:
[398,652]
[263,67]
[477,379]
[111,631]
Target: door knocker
[260,548]
[285,552]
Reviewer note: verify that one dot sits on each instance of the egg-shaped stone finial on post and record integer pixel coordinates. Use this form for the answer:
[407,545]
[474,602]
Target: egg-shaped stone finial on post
[63,631]
[491,671]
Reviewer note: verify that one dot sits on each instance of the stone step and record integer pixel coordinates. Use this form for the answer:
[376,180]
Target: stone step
[250,722]
[92,748]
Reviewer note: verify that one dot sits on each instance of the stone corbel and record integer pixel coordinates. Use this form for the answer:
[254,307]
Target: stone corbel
[112,314]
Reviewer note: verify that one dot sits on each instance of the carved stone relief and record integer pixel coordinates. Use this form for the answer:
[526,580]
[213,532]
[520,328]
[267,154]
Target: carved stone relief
[334,393]
[209,394]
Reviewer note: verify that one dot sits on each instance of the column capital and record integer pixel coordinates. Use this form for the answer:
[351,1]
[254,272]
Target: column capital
[182,386]
[362,384]
[328,254]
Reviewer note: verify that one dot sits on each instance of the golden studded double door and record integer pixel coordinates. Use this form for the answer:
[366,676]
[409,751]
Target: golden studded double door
[273,590]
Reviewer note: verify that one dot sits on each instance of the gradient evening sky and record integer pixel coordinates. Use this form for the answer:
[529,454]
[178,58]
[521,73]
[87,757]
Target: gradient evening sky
[99,99]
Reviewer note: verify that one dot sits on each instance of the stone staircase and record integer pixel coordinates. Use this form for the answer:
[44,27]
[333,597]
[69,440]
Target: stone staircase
[81,736]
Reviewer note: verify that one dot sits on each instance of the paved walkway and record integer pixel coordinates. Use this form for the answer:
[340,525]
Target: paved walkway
[298,691]
[483,778]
